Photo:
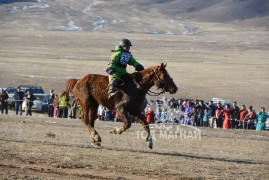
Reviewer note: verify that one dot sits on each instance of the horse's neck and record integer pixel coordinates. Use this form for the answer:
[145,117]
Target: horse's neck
[146,82]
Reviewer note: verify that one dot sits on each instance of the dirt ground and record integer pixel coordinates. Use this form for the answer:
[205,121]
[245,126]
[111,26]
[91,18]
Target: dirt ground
[39,147]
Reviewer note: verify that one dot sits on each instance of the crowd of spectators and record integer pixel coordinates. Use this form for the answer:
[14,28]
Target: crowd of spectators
[200,114]
[184,112]
[63,106]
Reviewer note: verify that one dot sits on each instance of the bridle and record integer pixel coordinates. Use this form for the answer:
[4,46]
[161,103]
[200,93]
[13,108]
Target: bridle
[159,80]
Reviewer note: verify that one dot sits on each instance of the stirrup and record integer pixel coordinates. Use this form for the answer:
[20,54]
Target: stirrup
[111,94]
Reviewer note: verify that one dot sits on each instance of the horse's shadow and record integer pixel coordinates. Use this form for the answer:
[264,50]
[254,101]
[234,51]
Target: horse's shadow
[176,154]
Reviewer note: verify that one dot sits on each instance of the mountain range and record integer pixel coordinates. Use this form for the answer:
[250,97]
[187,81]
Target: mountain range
[139,16]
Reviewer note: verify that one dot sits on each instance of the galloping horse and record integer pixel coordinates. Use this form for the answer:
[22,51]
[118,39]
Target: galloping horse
[92,90]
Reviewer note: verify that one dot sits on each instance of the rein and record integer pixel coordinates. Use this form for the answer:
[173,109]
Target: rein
[159,79]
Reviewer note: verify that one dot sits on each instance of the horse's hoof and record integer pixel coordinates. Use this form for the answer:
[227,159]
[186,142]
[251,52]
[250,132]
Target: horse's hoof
[97,138]
[115,131]
[150,144]
[96,144]
[112,131]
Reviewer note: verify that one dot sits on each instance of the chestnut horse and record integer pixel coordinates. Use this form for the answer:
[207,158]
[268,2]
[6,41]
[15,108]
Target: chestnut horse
[70,85]
[92,90]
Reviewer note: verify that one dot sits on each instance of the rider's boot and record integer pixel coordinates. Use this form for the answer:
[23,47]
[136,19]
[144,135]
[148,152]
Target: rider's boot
[112,88]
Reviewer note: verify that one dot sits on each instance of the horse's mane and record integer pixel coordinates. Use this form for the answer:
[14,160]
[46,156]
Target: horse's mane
[138,76]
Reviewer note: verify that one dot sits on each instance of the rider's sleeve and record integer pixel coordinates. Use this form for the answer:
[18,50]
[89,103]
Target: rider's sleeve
[133,62]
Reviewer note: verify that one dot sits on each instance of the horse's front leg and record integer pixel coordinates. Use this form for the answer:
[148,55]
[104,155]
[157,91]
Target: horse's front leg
[127,123]
[142,120]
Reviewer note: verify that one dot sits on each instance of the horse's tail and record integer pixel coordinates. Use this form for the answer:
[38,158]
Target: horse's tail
[70,85]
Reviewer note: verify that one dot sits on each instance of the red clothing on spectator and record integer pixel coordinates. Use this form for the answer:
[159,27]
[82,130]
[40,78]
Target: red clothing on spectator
[252,115]
[243,114]
[226,122]
[150,116]
[218,113]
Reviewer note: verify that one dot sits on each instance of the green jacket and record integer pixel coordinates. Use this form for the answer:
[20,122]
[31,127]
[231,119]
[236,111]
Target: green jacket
[119,61]
[63,102]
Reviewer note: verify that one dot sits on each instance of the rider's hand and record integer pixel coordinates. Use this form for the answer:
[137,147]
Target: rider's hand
[139,67]
[110,71]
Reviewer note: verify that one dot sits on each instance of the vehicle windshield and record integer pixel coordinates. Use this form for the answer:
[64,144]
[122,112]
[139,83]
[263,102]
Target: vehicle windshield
[35,91]
[11,90]
[44,99]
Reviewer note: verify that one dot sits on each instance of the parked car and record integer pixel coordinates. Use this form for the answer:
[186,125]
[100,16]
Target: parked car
[24,88]
[222,101]
[40,103]
[33,89]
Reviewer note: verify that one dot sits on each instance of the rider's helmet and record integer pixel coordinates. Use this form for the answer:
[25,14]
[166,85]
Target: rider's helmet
[125,42]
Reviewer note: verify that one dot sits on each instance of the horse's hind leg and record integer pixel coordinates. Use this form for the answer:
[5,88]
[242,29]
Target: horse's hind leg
[89,108]
[95,137]
[127,123]
[141,119]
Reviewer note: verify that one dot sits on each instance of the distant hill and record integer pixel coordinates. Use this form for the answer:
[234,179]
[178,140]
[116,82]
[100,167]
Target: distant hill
[139,16]
[216,10]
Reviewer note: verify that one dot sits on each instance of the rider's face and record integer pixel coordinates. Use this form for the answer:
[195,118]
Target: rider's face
[126,48]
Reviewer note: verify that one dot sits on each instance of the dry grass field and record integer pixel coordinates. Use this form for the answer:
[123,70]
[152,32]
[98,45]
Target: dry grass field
[229,63]
[39,45]
[45,148]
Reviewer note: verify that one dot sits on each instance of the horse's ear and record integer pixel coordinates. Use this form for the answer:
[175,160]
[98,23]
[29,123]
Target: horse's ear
[163,66]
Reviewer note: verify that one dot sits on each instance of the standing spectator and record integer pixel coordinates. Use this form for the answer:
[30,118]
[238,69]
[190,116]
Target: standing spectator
[150,103]
[3,101]
[234,116]
[200,110]
[164,115]
[187,113]
[196,103]
[250,117]
[117,117]
[73,108]
[211,113]
[242,116]
[149,115]
[55,105]
[172,111]
[227,114]
[179,105]
[193,117]
[165,102]
[205,118]
[79,111]
[63,105]
[179,111]
[184,104]
[260,123]
[107,114]
[50,103]
[29,102]
[219,115]
[18,97]
[157,111]
[100,112]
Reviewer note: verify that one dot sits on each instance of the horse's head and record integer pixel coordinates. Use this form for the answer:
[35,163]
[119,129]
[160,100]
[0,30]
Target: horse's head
[163,80]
